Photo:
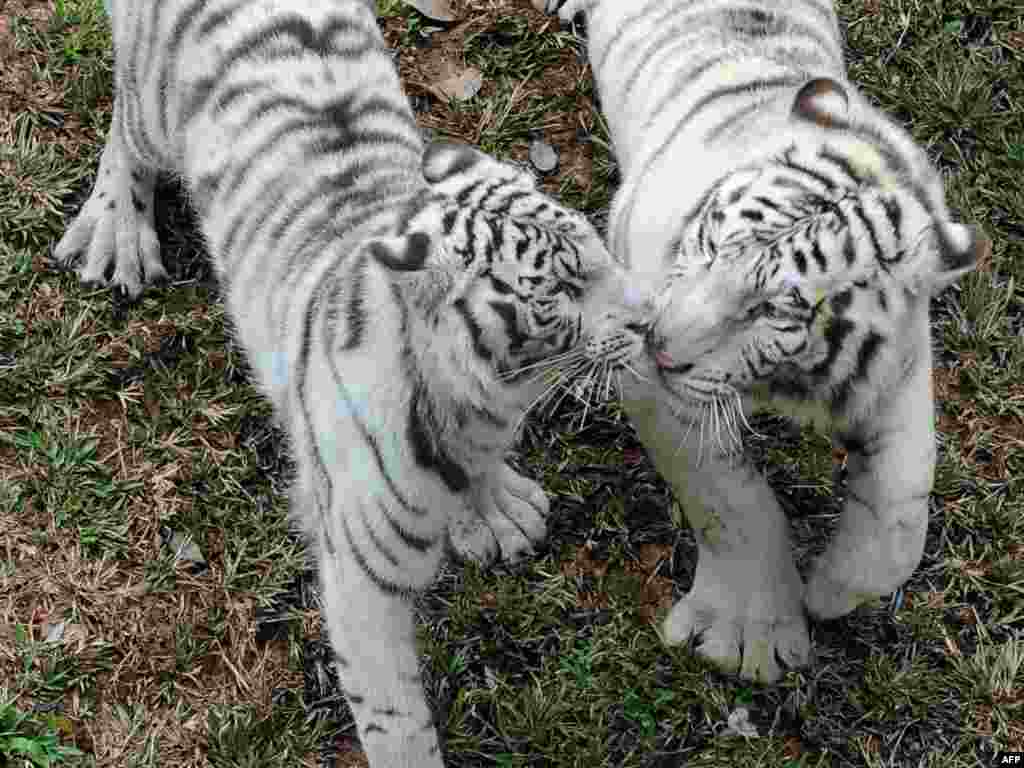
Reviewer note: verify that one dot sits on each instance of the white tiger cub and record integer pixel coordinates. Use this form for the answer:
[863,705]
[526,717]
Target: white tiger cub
[401,330]
[810,232]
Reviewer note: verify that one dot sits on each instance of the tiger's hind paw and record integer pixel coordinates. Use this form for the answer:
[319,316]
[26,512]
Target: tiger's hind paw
[113,240]
[505,518]
[754,633]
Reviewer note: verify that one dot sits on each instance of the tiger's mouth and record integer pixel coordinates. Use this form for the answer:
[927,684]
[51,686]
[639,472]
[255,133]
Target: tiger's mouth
[654,345]
[668,365]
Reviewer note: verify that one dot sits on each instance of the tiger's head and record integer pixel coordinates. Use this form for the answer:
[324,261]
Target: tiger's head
[518,289]
[794,276]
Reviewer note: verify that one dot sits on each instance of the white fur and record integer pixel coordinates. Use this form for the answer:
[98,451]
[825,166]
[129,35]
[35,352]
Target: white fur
[748,600]
[356,301]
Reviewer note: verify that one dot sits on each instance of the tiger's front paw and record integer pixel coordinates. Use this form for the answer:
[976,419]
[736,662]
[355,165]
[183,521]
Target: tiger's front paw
[743,622]
[113,240]
[505,518]
[828,597]
[863,565]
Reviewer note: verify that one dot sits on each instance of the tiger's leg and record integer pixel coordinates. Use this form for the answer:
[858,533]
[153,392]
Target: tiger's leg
[745,605]
[882,528]
[112,240]
[373,633]
[503,518]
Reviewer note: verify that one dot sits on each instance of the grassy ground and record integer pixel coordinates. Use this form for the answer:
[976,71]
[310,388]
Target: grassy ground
[127,431]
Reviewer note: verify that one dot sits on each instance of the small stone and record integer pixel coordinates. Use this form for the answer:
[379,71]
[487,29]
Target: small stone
[543,157]
[185,550]
[738,724]
[55,632]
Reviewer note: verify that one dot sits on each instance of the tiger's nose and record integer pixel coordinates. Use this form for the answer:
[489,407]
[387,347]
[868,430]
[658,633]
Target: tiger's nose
[653,340]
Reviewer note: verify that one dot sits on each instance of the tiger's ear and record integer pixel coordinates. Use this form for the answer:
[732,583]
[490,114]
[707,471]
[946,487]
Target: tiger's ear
[445,161]
[822,101]
[945,254]
[960,248]
[407,253]
[417,266]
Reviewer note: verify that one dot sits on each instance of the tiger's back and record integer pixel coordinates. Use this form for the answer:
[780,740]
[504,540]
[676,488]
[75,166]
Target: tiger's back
[718,86]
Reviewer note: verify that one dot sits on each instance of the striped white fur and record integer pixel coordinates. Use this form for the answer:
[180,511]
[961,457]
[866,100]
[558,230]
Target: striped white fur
[402,310]
[803,234]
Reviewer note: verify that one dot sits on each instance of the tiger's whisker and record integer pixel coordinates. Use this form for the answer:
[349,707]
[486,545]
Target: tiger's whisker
[719,422]
[544,366]
[567,389]
[590,384]
[635,372]
[728,425]
[700,442]
[743,416]
[538,401]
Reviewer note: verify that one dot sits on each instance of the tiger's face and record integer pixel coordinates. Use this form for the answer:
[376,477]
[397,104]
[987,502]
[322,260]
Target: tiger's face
[796,276]
[790,283]
[533,289]
[551,300]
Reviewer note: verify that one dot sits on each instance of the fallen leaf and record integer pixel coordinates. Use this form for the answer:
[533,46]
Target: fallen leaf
[633,456]
[792,748]
[461,87]
[438,10]
[75,635]
[64,725]
[872,744]
[651,555]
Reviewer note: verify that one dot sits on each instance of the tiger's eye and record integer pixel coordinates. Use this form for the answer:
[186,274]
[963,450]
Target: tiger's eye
[764,309]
